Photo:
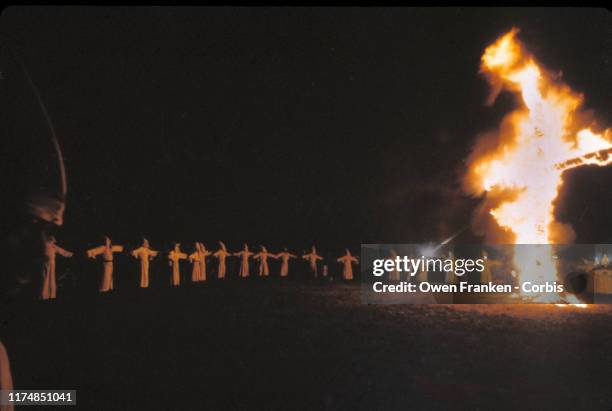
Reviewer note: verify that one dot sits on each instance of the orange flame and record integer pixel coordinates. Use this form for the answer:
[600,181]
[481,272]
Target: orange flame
[518,170]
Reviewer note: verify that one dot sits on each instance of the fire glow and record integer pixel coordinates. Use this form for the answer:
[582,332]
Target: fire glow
[518,170]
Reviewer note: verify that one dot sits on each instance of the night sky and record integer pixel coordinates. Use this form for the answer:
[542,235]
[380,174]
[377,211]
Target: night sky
[288,126]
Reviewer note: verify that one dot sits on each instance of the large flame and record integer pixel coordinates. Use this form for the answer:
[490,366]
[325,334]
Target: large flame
[520,167]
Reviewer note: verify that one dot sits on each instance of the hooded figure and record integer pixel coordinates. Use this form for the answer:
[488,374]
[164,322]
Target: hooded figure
[107,250]
[244,261]
[284,256]
[198,259]
[312,258]
[203,254]
[175,256]
[451,277]
[262,256]
[51,249]
[393,275]
[486,275]
[34,186]
[423,275]
[144,254]
[348,259]
[221,255]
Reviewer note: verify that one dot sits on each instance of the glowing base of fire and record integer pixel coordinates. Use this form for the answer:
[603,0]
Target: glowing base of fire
[572,305]
[571,300]
[558,300]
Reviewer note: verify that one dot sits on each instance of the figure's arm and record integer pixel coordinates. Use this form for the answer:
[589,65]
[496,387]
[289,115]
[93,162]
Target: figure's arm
[318,257]
[340,260]
[182,256]
[153,253]
[136,252]
[92,253]
[292,256]
[62,252]
[117,249]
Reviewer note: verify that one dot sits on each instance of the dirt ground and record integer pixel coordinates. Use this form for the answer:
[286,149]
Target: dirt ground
[307,345]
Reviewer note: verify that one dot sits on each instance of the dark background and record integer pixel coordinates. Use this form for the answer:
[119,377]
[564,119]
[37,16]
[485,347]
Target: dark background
[290,126]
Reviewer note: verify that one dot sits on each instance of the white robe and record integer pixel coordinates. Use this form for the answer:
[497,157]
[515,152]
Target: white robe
[348,260]
[49,286]
[175,257]
[144,254]
[107,253]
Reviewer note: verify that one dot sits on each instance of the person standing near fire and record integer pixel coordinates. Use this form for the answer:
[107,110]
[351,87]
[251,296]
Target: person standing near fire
[34,191]
[486,275]
[262,256]
[451,277]
[49,286]
[244,255]
[393,275]
[175,256]
[144,254]
[107,250]
[221,254]
[348,260]
[312,259]
[202,254]
[194,259]
[284,256]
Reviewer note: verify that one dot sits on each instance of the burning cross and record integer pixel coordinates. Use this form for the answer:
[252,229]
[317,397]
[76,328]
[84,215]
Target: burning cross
[521,168]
